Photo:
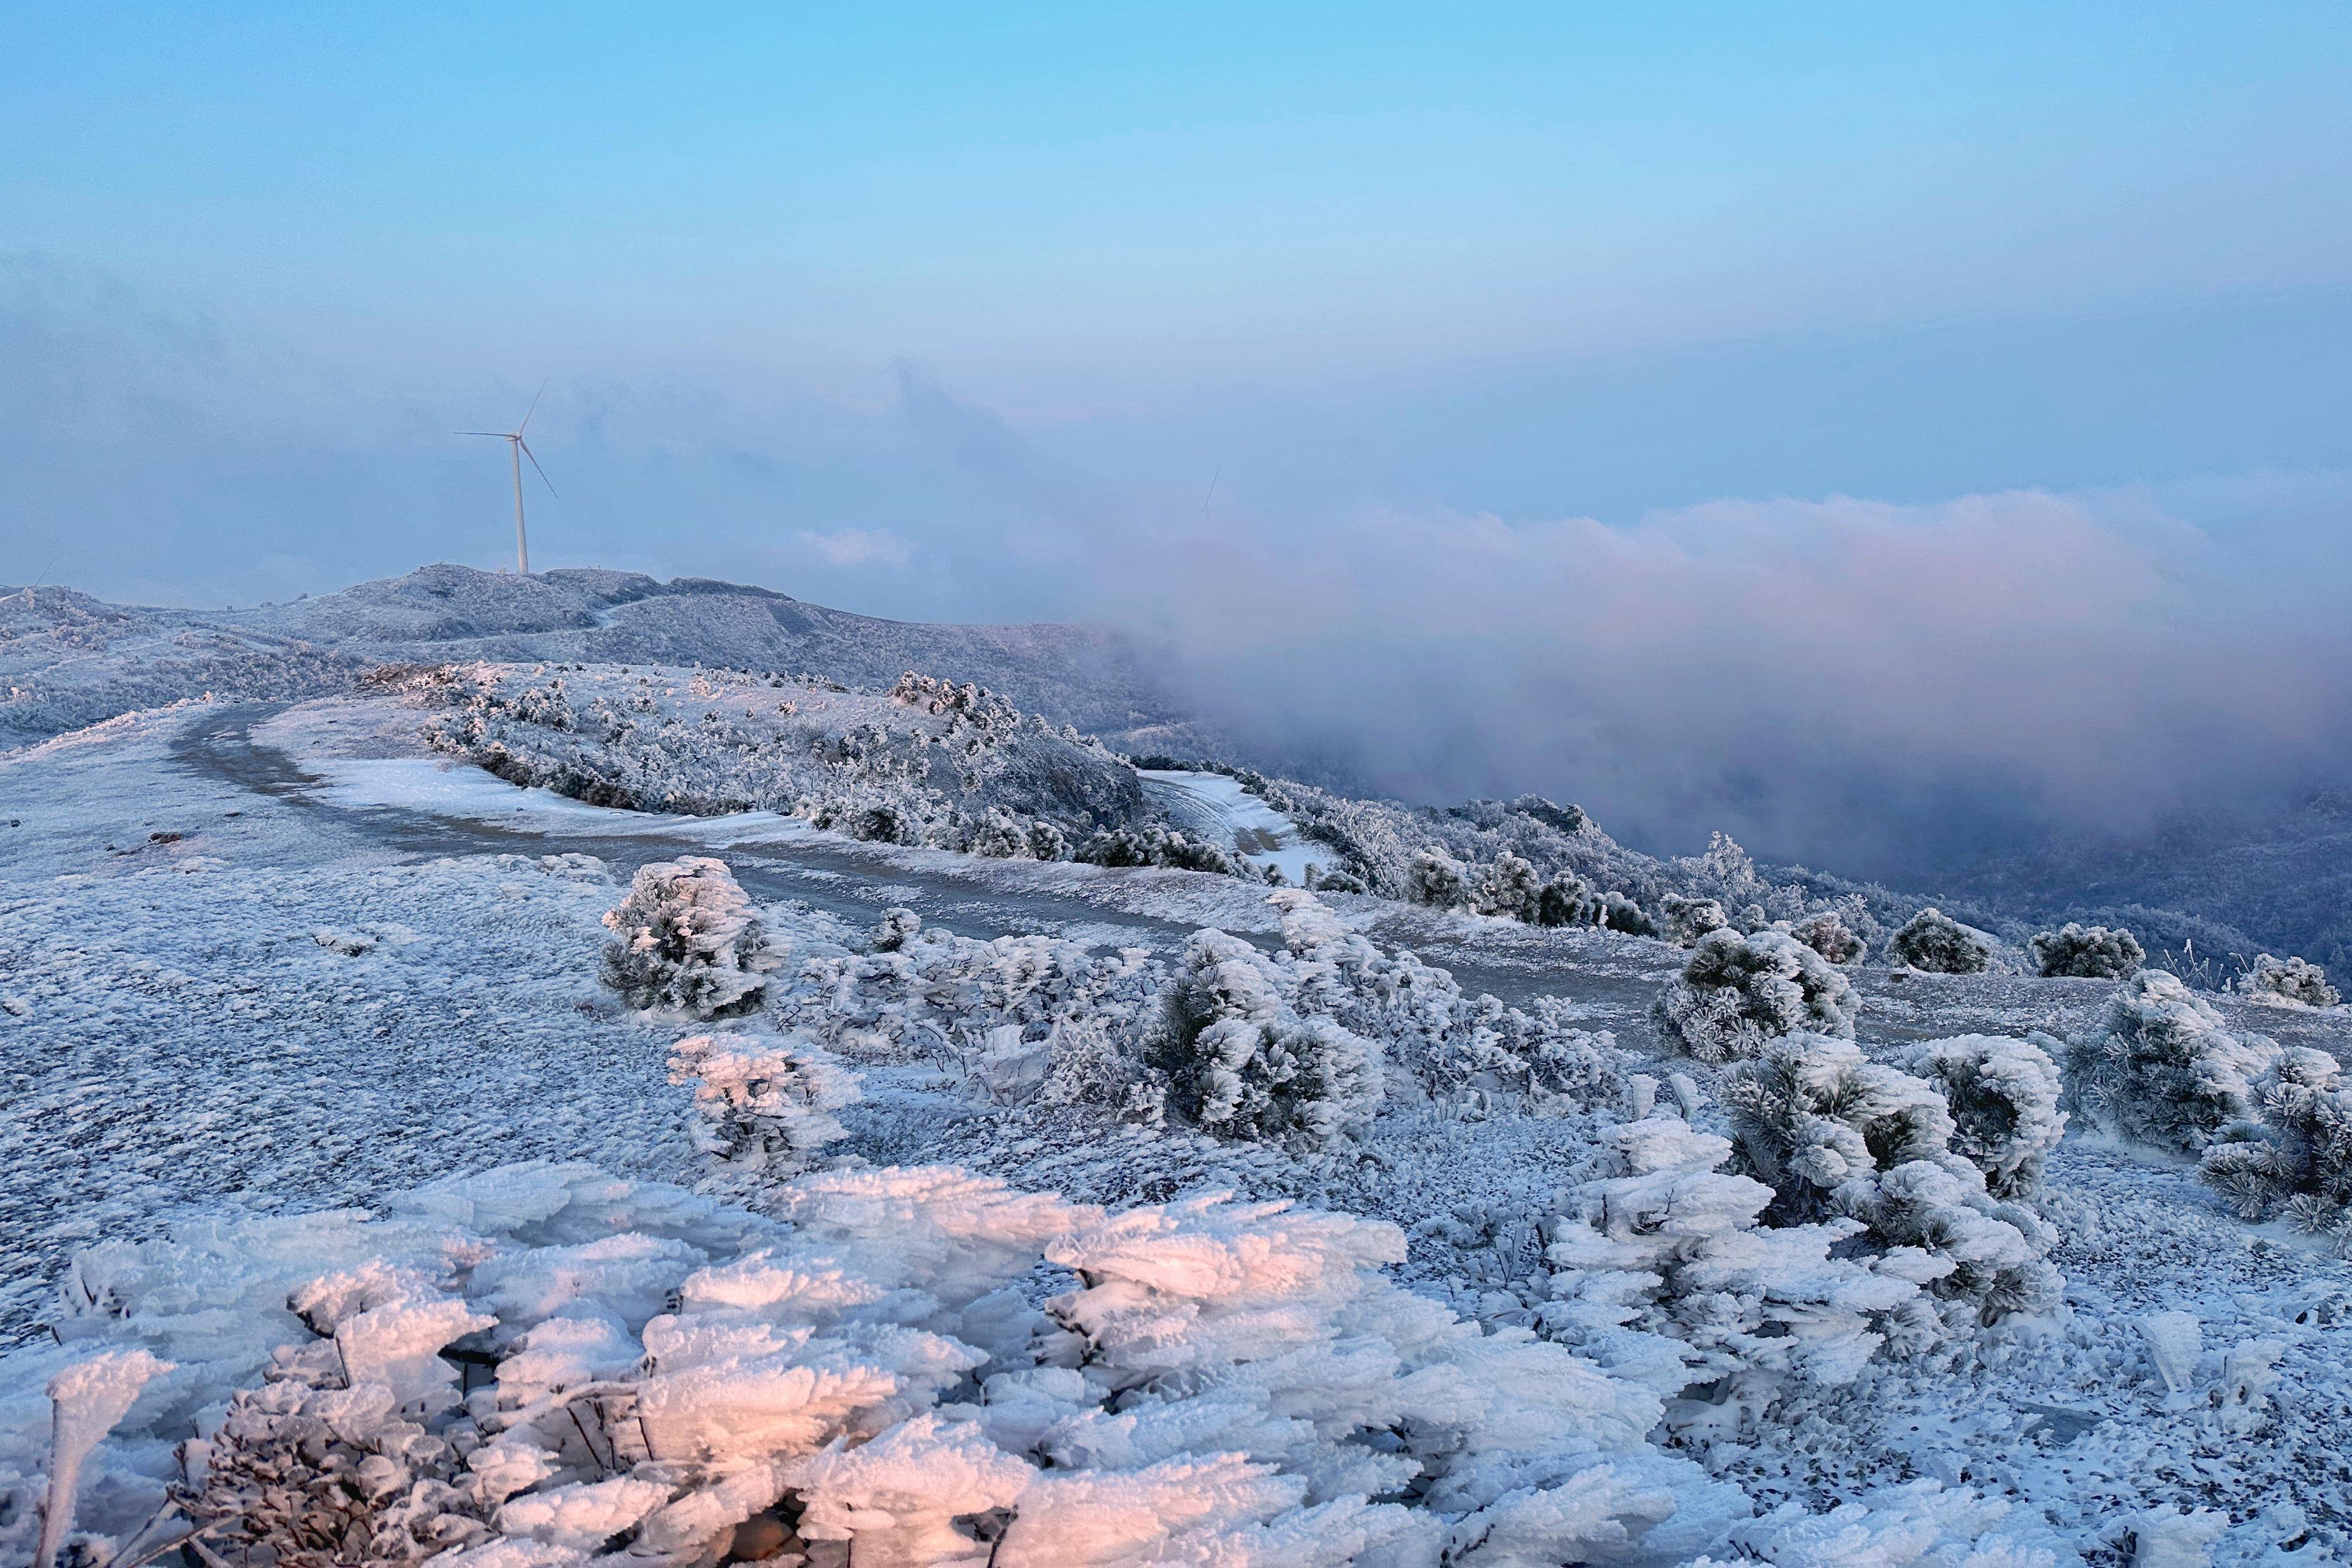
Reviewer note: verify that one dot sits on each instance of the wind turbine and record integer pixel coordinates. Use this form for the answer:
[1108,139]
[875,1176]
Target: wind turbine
[518,449]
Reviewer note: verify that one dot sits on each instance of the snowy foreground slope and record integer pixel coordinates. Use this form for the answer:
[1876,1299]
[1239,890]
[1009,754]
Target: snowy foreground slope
[271,1004]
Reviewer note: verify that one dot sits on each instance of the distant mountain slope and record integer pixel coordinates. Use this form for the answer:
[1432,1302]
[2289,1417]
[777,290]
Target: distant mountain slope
[69,660]
[2236,883]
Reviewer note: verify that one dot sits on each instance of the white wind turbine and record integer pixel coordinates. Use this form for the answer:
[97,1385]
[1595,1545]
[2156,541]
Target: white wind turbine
[518,449]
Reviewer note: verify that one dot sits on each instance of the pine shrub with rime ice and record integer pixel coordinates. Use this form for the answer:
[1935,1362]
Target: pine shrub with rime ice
[2297,982]
[1828,934]
[1510,888]
[1240,1063]
[659,1379]
[2295,1159]
[1438,880]
[1666,1275]
[2004,1096]
[1738,992]
[1689,919]
[687,937]
[2162,1068]
[1569,900]
[1936,943]
[2087,952]
[762,1106]
[1838,1137]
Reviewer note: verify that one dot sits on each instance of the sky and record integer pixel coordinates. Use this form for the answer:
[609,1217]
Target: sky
[1316,340]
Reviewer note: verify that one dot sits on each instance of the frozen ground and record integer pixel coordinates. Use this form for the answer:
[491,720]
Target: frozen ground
[248,960]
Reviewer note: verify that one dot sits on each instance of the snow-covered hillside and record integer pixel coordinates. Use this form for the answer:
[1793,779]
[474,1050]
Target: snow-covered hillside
[68,659]
[1531,1305]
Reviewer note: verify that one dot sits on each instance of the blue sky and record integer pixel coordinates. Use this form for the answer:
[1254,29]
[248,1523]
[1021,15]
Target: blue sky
[994,312]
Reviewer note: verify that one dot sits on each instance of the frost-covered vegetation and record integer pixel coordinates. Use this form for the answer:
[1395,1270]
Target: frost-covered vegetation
[928,762]
[687,938]
[1936,943]
[2294,1156]
[1738,992]
[2087,952]
[2293,982]
[2162,1068]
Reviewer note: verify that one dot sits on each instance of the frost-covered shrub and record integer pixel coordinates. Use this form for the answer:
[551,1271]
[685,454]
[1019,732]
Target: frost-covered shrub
[763,1107]
[939,997]
[2088,953]
[2295,1158]
[1838,1137]
[2296,982]
[1666,1276]
[2162,1068]
[1619,913]
[894,930]
[1511,888]
[1569,900]
[1934,941]
[687,937]
[1239,1062]
[861,1378]
[1736,992]
[1152,845]
[1689,919]
[1827,935]
[2004,1095]
[1437,879]
[1470,1053]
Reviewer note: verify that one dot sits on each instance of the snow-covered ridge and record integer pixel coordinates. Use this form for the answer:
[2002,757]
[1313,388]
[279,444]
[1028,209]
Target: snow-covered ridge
[68,659]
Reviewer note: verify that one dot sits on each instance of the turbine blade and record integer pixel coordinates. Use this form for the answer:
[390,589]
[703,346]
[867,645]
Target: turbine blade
[534,405]
[501,435]
[543,479]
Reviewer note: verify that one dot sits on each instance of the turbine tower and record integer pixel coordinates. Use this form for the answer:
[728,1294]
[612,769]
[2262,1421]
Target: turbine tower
[517,450]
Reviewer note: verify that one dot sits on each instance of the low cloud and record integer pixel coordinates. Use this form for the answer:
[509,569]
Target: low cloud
[1856,683]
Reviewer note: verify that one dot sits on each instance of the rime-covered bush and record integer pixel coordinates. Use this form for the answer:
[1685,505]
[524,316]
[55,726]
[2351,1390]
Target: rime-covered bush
[1569,900]
[1837,1136]
[930,995]
[1472,1053]
[763,1107]
[2004,1096]
[2293,982]
[687,937]
[1153,844]
[1240,1063]
[1738,992]
[2294,1157]
[638,1375]
[2162,1068]
[1438,880]
[1936,943]
[1689,919]
[1666,1276]
[1510,888]
[1619,913]
[1828,934]
[2087,952]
